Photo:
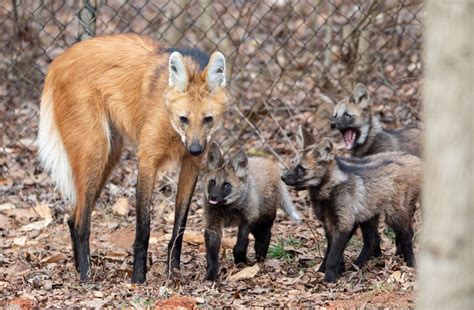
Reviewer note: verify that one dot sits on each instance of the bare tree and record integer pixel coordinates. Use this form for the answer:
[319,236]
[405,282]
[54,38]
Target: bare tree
[446,262]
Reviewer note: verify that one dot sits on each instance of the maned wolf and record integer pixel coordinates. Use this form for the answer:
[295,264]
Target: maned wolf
[166,101]
[363,134]
[243,192]
[370,234]
[349,194]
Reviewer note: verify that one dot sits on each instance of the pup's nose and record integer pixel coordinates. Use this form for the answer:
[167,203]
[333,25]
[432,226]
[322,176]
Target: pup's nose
[195,148]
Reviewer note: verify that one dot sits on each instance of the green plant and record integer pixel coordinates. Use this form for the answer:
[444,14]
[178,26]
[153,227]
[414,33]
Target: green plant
[282,249]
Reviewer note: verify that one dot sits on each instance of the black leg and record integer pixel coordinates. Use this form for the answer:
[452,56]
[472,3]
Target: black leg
[187,182]
[405,236]
[240,248]
[398,243]
[339,243]
[371,238]
[142,230]
[74,241]
[212,237]
[263,234]
[327,233]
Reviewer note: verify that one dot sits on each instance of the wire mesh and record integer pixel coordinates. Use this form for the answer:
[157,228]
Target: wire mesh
[282,56]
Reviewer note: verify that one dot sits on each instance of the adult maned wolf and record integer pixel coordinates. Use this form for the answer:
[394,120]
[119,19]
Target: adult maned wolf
[166,101]
[350,194]
[243,192]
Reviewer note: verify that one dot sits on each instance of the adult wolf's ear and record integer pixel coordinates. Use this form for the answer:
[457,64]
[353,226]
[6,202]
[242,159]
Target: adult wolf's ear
[214,156]
[239,163]
[216,71]
[178,76]
[326,149]
[360,96]
[304,138]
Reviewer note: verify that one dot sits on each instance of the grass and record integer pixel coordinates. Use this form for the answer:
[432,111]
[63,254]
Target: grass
[389,233]
[282,248]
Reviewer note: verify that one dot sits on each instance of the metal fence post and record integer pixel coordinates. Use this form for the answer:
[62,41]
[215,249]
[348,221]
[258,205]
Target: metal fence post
[87,19]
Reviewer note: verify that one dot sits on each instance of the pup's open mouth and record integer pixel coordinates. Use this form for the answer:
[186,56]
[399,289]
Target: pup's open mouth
[350,137]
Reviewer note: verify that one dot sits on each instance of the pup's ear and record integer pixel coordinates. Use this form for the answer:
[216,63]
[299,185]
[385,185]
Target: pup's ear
[304,138]
[360,96]
[216,71]
[214,156]
[240,163]
[178,77]
[325,149]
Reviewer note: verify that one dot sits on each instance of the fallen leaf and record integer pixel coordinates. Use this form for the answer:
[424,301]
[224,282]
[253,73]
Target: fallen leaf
[5,222]
[6,206]
[98,294]
[176,302]
[22,303]
[36,225]
[121,207]
[197,238]
[246,273]
[44,211]
[54,258]
[396,276]
[20,241]
[18,213]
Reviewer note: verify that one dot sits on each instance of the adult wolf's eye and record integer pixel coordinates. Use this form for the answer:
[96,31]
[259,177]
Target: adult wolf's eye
[207,119]
[184,120]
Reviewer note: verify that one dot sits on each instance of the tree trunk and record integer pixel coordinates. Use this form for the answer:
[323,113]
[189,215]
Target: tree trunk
[446,274]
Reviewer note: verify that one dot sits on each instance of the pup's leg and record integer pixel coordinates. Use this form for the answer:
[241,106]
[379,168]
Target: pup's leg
[240,248]
[262,233]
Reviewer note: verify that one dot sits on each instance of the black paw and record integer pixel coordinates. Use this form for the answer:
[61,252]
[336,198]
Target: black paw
[138,277]
[211,276]
[341,268]
[330,276]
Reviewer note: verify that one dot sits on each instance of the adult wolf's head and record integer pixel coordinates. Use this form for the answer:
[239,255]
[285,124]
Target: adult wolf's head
[196,97]
[225,179]
[311,164]
[352,117]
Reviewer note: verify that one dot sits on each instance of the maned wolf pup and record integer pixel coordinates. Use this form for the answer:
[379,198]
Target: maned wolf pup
[370,234]
[243,192]
[350,194]
[363,133]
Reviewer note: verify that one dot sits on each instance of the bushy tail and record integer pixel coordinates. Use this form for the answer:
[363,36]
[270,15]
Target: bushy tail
[52,153]
[287,205]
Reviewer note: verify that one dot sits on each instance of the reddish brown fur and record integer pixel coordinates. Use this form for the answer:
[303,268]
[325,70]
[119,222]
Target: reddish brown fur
[121,82]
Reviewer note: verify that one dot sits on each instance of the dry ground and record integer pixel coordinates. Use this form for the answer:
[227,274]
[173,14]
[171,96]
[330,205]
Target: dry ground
[36,266]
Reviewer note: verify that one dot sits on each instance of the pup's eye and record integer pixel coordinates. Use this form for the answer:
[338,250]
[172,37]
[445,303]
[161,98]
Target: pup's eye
[212,183]
[184,120]
[227,186]
[347,115]
[207,119]
[300,167]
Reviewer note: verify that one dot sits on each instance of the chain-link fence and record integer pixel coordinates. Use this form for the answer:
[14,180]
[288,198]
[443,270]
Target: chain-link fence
[282,55]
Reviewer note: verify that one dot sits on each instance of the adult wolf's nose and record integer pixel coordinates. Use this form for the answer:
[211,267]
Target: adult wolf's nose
[195,148]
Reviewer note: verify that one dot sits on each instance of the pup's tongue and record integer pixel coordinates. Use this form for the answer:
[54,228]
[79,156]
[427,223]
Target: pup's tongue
[212,202]
[349,138]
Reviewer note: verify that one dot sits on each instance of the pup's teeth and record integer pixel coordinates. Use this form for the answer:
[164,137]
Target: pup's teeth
[212,202]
